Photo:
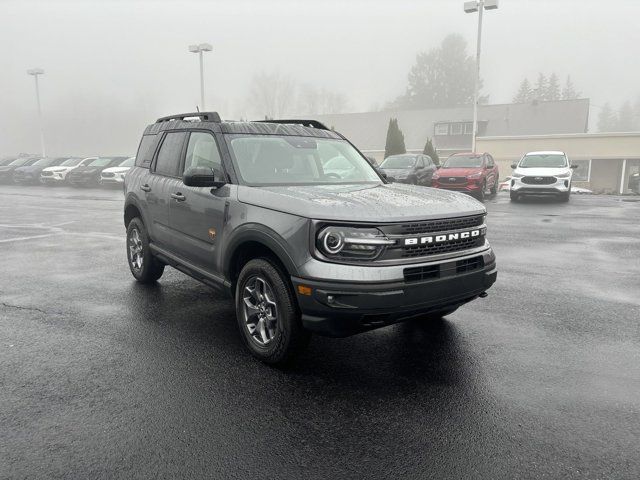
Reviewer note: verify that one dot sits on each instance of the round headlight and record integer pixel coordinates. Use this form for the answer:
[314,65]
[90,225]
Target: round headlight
[332,241]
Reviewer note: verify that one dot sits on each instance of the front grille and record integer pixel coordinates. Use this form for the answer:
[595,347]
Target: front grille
[539,180]
[432,249]
[452,180]
[441,225]
[47,174]
[108,175]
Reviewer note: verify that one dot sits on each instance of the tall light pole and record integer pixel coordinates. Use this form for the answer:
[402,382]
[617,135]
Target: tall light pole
[35,72]
[471,7]
[203,47]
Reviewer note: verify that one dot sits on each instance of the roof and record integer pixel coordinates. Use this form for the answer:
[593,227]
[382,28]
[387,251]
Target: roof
[251,128]
[546,152]
[368,130]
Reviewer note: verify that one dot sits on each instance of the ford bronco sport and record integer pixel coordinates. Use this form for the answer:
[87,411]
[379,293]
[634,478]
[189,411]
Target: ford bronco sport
[249,208]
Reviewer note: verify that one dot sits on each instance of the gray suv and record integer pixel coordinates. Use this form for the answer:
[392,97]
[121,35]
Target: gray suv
[290,219]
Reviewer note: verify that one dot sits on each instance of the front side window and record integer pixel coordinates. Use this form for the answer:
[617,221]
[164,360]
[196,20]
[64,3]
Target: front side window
[290,160]
[543,160]
[202,151]
[168,161]
[399,161]
[463,161]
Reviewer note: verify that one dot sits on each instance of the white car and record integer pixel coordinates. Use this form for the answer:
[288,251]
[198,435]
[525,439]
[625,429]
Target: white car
[115,175]
[58,174]
[542,173]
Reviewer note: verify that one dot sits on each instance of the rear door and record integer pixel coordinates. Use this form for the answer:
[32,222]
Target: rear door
[196,214]
[161,182]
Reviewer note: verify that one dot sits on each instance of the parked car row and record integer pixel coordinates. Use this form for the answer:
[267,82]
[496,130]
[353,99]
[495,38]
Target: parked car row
[74,171]
[546,173]
[472,173]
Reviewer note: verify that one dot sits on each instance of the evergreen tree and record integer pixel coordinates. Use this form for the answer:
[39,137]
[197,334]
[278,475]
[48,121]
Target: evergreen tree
[607,119]
[395,139]
[625,121]
[553,88]
[524,92]
[540,90]
[569,92]
[430,150]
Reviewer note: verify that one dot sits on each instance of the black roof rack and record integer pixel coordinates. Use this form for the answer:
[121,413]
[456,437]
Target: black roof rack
[203,116]
[304,123]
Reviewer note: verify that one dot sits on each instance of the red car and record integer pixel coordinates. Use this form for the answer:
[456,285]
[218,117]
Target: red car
[472,173]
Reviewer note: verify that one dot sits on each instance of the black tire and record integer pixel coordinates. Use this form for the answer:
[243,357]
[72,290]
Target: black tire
[286,337]
[565,197]
[430,317]
[514,197]
[149,269]
[494,189]
[413,181]
[480,195]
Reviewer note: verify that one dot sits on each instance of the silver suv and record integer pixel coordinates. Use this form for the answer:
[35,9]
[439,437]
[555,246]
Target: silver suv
[291,220]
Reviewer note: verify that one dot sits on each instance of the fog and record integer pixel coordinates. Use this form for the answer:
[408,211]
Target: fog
[112,67]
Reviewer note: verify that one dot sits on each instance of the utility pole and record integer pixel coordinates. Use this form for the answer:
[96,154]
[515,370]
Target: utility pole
[35,72]
[199,49]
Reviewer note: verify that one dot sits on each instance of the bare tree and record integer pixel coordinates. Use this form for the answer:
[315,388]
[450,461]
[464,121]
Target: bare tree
[272,94]
[312,100]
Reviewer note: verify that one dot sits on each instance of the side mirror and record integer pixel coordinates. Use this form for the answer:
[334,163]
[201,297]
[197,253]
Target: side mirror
[514,165]
[201,177]
[382,174]
[573,166]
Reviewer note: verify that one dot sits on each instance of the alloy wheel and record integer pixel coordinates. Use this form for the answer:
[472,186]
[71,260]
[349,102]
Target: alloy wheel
[135,249]
[260,310]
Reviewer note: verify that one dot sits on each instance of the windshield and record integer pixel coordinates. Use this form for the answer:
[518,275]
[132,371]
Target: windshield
[100,162]
[71,162]
[20,161]
[463,161]
[288,160]
[129,162]
[399,161]
[43,162]
[541,160]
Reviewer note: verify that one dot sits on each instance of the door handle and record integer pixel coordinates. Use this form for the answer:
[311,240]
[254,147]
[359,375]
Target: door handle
[145,188]
[178,196]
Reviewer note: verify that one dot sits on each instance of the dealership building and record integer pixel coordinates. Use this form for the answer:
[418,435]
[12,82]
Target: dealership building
[507,131]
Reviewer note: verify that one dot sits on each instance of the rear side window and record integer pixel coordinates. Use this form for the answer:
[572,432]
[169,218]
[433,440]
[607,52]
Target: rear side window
[168,160]
[145,151]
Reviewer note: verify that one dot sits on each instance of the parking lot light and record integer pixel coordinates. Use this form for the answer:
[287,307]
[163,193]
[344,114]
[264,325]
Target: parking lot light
[35,72]
[472,7]
[202,47]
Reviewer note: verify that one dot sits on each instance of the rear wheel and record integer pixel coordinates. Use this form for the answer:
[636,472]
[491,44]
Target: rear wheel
[143,265]
[267,313]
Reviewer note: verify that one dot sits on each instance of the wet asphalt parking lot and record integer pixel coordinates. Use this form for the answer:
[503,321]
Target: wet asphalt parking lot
[104,378]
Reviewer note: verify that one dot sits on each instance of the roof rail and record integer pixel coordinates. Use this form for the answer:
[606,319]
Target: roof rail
[304,123]
[203,116]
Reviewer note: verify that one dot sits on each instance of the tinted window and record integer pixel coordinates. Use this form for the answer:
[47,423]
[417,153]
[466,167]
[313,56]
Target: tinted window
[202,151]
[145,150]
[463,161]
[399,161]
[543,160]
[168,160]
[420,162]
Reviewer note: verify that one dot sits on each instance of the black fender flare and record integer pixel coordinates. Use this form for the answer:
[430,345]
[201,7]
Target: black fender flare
[133,200]
[255,232]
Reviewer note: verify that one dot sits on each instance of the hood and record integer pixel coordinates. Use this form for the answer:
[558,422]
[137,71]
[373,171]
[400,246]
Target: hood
[458,171]
[397,172]
[369,203]
[542,172]
[58,168]
[116,170]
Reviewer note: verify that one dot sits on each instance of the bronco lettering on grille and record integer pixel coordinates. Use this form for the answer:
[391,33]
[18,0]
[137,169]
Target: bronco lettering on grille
[448,237]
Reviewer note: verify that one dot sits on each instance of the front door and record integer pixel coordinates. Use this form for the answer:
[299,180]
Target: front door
[196,214]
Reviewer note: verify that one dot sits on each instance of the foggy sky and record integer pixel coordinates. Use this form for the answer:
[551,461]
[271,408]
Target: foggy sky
[112,67]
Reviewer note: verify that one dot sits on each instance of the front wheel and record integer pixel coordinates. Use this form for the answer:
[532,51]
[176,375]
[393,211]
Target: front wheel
[565,196]
[143,265]
[481,193]
[267,313]
[514,197]
[494,189]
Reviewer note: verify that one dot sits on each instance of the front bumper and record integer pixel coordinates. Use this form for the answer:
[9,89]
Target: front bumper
[24,178]
[342,308]
[471,187]
[56,178]
[560,186]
